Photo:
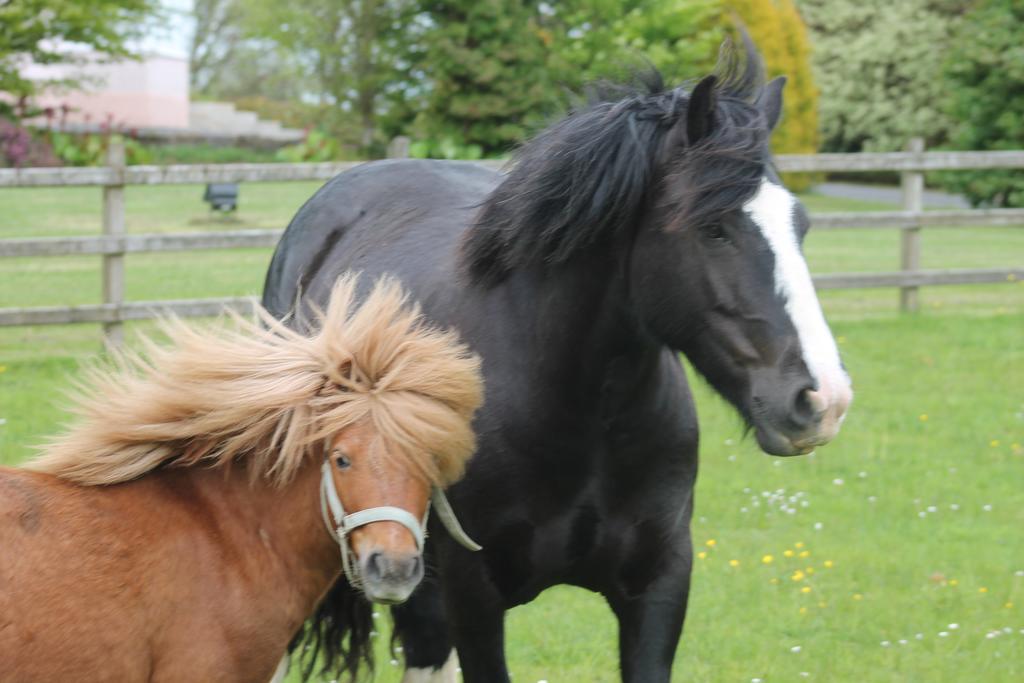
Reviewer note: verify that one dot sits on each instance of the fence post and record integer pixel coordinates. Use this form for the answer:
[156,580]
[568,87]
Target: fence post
[912,183]
[113,226]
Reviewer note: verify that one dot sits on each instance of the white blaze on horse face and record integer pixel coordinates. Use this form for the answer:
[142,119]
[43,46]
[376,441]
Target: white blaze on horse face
[771,210]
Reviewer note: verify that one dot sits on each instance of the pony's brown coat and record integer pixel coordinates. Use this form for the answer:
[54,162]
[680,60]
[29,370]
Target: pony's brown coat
[120,562]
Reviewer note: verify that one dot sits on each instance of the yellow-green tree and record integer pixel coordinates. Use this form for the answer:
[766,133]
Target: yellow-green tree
[781,36]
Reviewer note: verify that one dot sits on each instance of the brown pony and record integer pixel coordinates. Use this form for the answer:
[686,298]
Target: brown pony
[177,531]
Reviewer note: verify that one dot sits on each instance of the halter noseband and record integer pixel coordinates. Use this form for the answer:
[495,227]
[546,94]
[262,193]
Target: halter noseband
[339,524]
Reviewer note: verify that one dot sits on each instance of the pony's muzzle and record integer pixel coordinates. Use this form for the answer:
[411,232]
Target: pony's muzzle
[390,578]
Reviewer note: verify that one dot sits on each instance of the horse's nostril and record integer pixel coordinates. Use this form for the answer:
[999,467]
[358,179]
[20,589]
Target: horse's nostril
[808,407]
[381,567]
[375,566]
[413,567]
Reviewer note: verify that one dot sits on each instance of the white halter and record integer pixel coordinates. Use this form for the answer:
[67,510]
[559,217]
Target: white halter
[332,509]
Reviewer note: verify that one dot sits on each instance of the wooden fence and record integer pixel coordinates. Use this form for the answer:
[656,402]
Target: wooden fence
[114,244]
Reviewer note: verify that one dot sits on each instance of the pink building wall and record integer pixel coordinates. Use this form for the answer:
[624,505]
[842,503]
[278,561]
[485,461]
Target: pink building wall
[150,93]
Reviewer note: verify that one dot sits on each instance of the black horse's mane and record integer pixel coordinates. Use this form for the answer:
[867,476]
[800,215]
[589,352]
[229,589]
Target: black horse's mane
[595,172]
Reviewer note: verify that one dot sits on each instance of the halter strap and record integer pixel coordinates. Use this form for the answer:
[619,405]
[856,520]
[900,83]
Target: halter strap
[451,522]
[339,524]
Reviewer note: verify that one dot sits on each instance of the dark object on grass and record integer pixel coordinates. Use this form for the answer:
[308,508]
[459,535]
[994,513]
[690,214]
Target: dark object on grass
[222,196]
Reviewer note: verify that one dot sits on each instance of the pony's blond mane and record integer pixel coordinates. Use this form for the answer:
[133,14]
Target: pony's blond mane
[261,391]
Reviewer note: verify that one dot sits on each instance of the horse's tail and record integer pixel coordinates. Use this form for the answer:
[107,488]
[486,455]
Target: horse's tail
[337,638]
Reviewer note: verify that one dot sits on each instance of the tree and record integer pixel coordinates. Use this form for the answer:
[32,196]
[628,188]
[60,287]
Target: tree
[216,38]
[485,65]
[599,38]
[40,31]
[985,78]
[349,47]
[878,67]
[781,36]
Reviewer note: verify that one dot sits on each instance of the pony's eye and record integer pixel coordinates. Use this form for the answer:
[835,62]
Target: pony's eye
[341,460]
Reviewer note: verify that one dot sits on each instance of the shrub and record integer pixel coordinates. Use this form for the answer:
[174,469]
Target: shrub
[208,154]
[985,76]
[879,68]
[23,148]
[781,36]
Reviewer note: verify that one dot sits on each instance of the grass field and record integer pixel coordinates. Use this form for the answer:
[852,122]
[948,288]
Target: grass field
[894,554]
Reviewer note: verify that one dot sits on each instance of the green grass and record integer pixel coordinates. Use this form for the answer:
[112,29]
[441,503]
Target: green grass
[960,362]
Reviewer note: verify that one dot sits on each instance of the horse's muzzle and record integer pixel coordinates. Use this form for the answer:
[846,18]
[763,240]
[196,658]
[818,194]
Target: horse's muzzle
[389,578]
[805,419]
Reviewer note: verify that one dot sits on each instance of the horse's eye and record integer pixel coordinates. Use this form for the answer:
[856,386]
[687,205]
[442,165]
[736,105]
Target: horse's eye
[342,460]
[716,232]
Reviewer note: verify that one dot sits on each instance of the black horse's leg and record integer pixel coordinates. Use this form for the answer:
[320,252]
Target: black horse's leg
[421,628]
[651,620]
[479,630]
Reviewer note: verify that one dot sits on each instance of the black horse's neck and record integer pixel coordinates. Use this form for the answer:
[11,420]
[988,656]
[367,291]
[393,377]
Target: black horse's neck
[579,324]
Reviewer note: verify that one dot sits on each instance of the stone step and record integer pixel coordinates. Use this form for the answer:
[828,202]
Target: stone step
[225,119]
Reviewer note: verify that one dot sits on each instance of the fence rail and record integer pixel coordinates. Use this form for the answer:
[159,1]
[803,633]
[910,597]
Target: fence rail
[918,162]
[114,243]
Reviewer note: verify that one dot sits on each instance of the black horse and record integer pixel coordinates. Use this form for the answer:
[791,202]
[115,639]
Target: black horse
[648,223]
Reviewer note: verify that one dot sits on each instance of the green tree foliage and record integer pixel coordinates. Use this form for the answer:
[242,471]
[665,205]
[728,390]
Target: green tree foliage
[879,67]
[38,30]
[985,77]
[227,60]
[349,47]
[487,76]
[598,39]
[494,69]
[781,36]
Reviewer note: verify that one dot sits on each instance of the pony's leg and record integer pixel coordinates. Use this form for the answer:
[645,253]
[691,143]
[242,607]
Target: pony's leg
[426,642]
[651,622]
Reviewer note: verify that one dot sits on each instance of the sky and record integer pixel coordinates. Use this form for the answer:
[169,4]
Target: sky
[172,37]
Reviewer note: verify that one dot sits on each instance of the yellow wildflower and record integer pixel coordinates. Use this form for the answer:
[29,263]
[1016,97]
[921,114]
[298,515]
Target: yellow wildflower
[1008,605]
[983,590]
[797,575]
[711,543]
[734,563]
[3,368]
[953,582]
[923,417]
[994,443]
[827,564]
[767,559]
[809,570]
[805,589]
[803,610]
[787,553]
[701,555]
[798,545]
[858,596]
[805,553]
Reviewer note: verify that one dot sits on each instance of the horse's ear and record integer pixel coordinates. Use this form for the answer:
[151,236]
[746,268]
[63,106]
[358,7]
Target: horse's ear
[770,101]
[700,112]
